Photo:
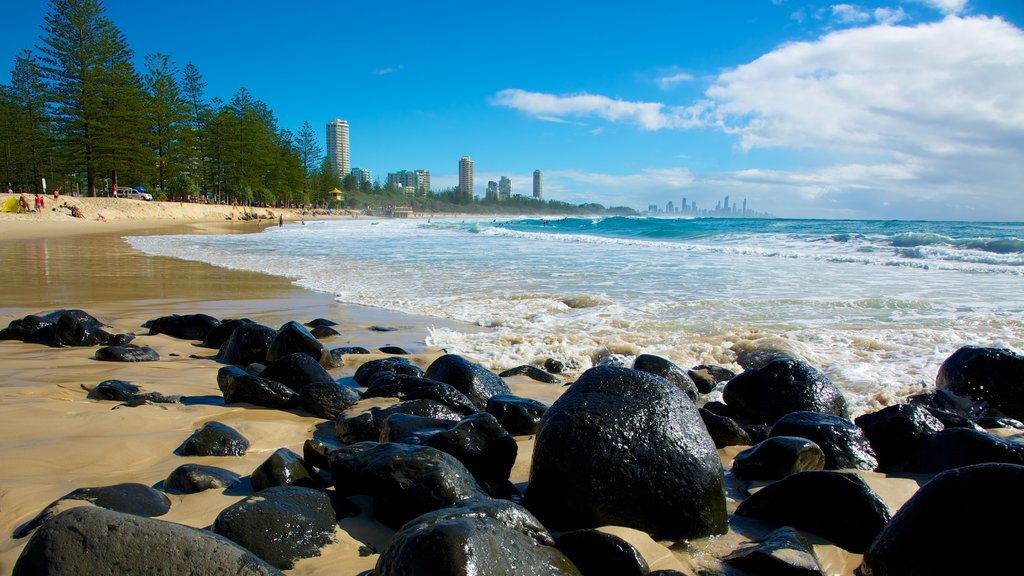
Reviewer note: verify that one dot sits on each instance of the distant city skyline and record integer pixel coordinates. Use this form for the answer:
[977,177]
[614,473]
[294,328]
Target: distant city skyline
[864,109]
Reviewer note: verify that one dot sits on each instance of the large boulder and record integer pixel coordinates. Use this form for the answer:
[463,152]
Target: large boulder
[72,328]
[186,327]
[327,399]
[296,371]
[995,375]
[99,541]
[957,447]
[248,343]
[896,432]
[626,447]
[964,521]
[595,553]
[724,431]
[220,333]
[668,370]
[193,478]
[293,338]
[473,380]
[215,439]
[782,386]
[842,441]
[129,353]
[404,480]
[237,385]
[777,457]
[406,387]
[285,523]
[284,468]
[482,445]
[479,536]
[130,498]
[409,429]
[369,425]
[838,506]
[394,364]
[520,416]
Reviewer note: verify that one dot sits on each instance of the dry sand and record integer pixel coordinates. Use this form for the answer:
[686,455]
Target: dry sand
[53,439]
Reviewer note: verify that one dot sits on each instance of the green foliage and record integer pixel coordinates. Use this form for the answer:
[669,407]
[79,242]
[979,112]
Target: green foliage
[182,185]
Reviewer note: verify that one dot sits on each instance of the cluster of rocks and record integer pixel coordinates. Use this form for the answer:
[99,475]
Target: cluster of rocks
[621,446]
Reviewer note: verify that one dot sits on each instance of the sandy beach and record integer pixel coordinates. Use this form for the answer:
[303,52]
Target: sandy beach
[53,439]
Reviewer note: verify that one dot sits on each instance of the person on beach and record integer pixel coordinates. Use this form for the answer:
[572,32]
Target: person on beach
[280,220]
[23,204]
[40,203]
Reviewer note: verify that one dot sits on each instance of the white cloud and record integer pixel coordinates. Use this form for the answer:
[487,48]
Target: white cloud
[672,80]
[849,14]
[890,15]
[947,6]
[552,107]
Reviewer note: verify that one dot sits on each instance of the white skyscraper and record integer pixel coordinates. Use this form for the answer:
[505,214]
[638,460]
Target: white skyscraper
[337,146]
[538,184]
[466,178]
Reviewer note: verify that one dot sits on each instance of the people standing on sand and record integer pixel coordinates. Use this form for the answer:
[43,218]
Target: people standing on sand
[40,203]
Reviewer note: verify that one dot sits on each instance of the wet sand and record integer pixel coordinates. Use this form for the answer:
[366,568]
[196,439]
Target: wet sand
[53,439]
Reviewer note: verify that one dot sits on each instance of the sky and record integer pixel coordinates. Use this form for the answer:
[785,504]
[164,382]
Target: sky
[872,110]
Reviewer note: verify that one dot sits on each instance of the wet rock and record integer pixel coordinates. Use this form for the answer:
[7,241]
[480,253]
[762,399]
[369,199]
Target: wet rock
[896,432]
[842,442]
[285,523]
[724,431]
[318,322]
[316,450]
[409,429]
[393,364]
[993,375]
[531,372]
[554,366]
[284,468]
[130,498]
[71,328]
[368,425]
[247,344]
[964,521]
[957,447]
[381,329]
[667,370]
[483,447]
[757,359]
[782,386]
[321,332]
[292,339]
[778,457]
[782,552]
[237,385]
[121,391]
[838,506]
[628,448]
[404,480]
[220,333]
[17,333]
[520,416]
[993,422]
[193,478]
[393,350]
[595,553]
[948,402]
[186,327]
[405,387]
[215,439]
[327,399]
[97,541]
[126,354]
[338,354]
[296,371]
[473,380]
[479,536]
[952,420]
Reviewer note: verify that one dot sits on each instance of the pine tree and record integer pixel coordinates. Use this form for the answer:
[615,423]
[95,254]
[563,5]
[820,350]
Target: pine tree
[310,154]
[168,117]
[194,138]
[28,125]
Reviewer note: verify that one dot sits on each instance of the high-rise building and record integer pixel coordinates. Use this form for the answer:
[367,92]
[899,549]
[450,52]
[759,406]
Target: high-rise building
[466,178]
[504,188]
[337,146]
[422,182]
[362,175]
[538,184]
[492,190]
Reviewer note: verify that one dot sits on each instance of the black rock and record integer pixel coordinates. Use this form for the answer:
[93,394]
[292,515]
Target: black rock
[520,416]
[782,386]
[316,450]
[784,552]
[994,422]
[186,327]
[318,322]
[409,429]
[215,439]
[842,441]
[284,468]
[338,354]
[757,359]
[704,381]
[957,447]
[993,375]
[393,350]
[327,399]
[321,332]
[88,540]
[896,432]
[381,329]
[554,366]
[478,536]
[531,372]
[193,478]
[285,523]
[778,457]
[220,333]
[964,521]
[17,333]
[237,385]
[126,354]
[717,374]
[393,364]
[405,387]
[296,371]
[473,380]
[838,506]
[948,402]
[130,498]
[71,328]
[404,480]
[293,338]
[953,420]
[596,553]
[121,391]
[628,448]
[247,344]
[667,370]
[724,431]
[369,425]
[483,447]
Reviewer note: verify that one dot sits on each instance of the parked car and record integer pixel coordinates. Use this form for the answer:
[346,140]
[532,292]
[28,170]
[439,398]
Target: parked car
[136,195]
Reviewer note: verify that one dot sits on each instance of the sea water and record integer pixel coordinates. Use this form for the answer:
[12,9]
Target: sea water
[876,305]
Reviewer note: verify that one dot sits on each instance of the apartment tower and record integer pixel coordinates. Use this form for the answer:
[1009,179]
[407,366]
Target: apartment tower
[538,185]
[466,178]
[337,146]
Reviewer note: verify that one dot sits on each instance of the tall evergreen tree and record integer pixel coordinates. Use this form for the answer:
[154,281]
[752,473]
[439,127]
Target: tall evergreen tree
[194,138]
[168,116]
[310,153]
[28,125]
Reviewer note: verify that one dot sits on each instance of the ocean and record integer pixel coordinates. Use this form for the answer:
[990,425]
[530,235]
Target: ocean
[876,305]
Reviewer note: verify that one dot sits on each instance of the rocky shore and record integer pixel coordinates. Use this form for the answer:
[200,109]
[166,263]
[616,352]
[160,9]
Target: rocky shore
[433,464]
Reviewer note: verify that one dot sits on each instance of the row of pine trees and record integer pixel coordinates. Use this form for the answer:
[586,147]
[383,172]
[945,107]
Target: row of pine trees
[78,114]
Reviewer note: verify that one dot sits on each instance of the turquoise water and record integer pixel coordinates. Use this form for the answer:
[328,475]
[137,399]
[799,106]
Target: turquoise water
[877,305]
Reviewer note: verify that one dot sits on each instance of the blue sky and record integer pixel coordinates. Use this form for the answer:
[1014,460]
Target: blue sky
[910,109]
